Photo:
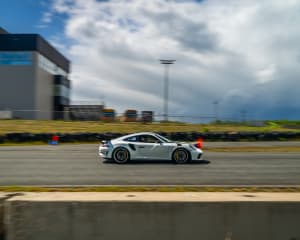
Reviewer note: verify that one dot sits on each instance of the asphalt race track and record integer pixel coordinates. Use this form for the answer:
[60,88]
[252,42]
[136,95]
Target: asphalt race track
[80,165]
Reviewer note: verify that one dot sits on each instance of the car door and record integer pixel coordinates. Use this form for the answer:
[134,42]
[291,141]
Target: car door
[144,150]
[162,150]
[150,147]
[143,147]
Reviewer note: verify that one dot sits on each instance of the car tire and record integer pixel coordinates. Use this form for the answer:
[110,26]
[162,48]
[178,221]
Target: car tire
[181,156]
[121,155]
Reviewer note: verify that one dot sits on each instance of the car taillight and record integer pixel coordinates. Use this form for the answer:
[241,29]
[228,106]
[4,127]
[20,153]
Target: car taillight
[199,143]
[105,144]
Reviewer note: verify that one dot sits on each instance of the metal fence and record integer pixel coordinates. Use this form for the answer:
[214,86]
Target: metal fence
[88,115]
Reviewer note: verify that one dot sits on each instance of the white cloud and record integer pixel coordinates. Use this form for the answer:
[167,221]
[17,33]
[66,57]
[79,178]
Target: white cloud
[266,74]
[243,53]
[47,17]
[46,20]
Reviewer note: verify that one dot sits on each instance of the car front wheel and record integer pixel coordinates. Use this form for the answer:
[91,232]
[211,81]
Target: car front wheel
[121,155]
[181,156]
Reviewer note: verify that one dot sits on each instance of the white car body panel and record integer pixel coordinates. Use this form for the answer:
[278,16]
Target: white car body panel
[161,150]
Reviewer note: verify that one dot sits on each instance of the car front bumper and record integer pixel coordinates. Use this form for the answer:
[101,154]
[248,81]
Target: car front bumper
[196,154]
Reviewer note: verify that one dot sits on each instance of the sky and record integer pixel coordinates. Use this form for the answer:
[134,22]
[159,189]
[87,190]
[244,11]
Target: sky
[242,54]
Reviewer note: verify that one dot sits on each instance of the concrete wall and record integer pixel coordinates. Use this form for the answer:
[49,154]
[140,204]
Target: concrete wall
[27,87]
[17,89]
[2,199]
[44,95]
[6,114]
[149,216]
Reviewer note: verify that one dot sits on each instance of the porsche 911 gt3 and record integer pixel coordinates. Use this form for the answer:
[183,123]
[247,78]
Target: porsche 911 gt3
[148,145]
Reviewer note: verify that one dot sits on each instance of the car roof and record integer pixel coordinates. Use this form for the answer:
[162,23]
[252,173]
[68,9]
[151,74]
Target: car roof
[136,134]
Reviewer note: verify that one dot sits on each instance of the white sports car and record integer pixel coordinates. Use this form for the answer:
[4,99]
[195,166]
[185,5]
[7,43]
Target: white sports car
[148,145]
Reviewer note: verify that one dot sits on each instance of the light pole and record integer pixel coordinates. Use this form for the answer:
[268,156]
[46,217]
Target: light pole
[216,110]
[102,101]
[166,63]
[243,115]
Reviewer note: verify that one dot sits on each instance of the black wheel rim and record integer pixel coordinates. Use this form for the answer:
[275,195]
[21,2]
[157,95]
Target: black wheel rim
[121,155]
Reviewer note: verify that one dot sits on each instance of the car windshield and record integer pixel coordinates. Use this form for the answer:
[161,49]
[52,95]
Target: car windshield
[163,138]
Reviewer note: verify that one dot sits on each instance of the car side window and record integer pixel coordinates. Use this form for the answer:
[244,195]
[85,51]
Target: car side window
[148,139]
[131,139]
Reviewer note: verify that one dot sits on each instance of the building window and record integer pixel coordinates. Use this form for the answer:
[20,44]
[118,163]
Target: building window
[61,91]
[15,58]
[49,66]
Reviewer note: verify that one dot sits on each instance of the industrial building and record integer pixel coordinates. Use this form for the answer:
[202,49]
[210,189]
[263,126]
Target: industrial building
[34,80]
[84,112]
[34,84]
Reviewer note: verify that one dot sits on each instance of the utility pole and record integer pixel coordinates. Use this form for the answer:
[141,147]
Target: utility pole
[216,110]
[243,115]
[166,63]
[102,102]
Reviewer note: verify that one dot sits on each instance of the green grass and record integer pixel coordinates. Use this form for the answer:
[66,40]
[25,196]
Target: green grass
[254,149]
[45,126]
[286,122]
[147,189]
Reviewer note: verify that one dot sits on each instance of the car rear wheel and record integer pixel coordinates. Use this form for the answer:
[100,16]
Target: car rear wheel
[121,155]
[181,156]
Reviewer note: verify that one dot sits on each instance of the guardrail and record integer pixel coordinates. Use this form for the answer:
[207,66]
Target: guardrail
[176,136]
